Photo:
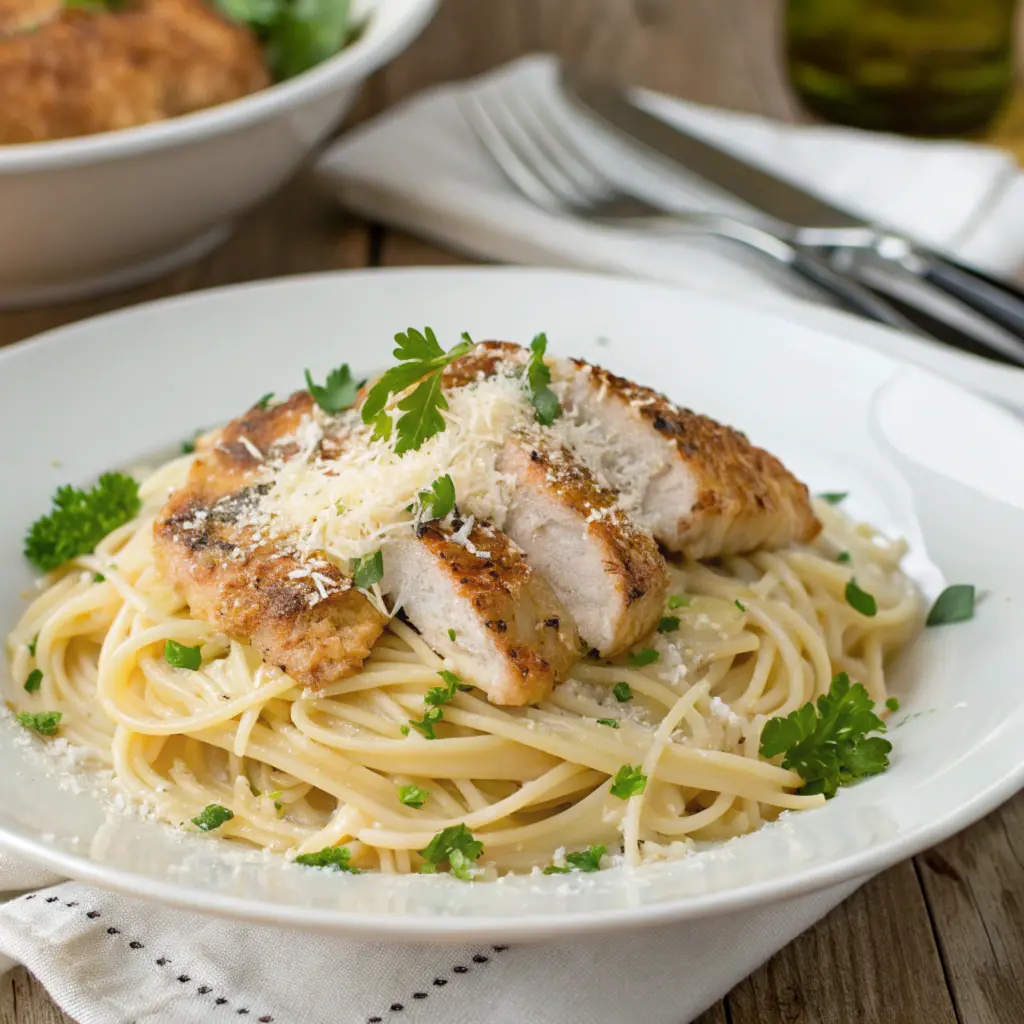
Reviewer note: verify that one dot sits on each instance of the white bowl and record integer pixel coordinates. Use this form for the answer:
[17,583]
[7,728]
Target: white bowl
[92,214]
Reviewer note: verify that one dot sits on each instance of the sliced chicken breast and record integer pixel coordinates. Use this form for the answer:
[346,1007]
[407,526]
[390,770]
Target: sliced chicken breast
[607,571]
[512,636]
[300,612]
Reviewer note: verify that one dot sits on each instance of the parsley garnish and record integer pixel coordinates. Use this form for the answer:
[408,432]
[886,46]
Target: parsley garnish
[954,604]
[264,400]
[381,428]
[892,704]
[833,497]
[860,600]
[612,723]
[437,695]
[669,624]
[189,446]
[421,361]
[645,656]
[43,722]
[338,392]
[585,860]
[830,746]
[451,635]
[98,577]
[81,519]
[412,796]
[34,681]
[456,845]
[538,377]
[32,645]
[843,557]
[179,656]
[438,499]
[367,570]
[628,782]
[678,601]
[212,816]
[739,604]
[431,716]
[623,692]
[334,858]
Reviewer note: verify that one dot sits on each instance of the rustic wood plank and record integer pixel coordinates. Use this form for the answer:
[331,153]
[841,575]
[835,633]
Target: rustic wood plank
[24,1001]
[974,886]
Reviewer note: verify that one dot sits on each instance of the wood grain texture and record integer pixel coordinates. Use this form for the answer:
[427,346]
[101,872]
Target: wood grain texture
[936,941]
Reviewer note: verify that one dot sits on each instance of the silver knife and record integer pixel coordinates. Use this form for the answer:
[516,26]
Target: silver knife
[806,219]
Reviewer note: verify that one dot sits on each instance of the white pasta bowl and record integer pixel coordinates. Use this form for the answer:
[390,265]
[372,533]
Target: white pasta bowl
[920,458]
[85,215]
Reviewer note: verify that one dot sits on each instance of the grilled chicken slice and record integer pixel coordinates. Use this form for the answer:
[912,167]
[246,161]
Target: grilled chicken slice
[513,637]
[301,614]
[605,570]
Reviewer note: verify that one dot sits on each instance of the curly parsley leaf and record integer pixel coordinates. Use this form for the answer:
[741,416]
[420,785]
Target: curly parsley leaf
[438,499]
[645,656]
[43,722]
[585,860]
[338,392]
[412,796]
[954,604]
[368,570]
[456,845]
[860,600]
[81,519]
[333,858]
[829,745]
[628,782]
[179,656]
[538,379]
[212,816]
[623,692]
[34,680]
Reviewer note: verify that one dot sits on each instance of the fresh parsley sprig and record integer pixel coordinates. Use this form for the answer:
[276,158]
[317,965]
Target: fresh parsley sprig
[538,379]
[368,570]
[456,845]
[628,781]
[437,500]
[829,745]
[421,361]
[338,392]
[80,519]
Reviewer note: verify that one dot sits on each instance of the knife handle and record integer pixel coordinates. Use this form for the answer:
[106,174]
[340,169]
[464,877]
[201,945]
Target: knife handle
[999,300]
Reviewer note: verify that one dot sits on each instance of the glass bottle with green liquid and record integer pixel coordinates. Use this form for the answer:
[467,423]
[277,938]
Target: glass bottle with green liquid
[919,67]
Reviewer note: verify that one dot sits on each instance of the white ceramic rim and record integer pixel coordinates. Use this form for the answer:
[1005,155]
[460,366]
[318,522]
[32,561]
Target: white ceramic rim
[382,40]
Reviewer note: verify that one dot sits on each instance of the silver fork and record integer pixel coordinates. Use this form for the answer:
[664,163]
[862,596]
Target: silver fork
[553,172]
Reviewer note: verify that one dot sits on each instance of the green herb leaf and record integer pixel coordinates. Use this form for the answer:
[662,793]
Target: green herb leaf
[833,497]
[368,570]
[451,635]
[438,695]
[739,604]
[860,600]
[421,415]
[43,722]
[98,577]
[954,604]
[189,446]
[585,860]
[305,33]
[538,377]
[333,858]
[669,624]
[645,656]
[829,746]
[612,723]
[338,392]
[81,519]
[179,656]
[382,427]
[212,816]
[892,704]
[34,680]
[412,796]
[257,14]
[628,782]
[843,557]
[623,692]
[678,601]
[431,716]
[32,645]
[438,499]
[456,845]
[264,400]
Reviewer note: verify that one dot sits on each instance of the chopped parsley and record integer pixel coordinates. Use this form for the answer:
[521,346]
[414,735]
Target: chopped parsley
[954,604]
[431,716]
[412,796]
[585,860]
[438,499]
[421,361]
[333,858]
[612,723]
[645,656]
[98,577]
[833,497]
[843,557]
[32,645]
[451,635]
[739,604]
[669,624]
[43,722]
[623,692]
[189,446]
[212,816]
[179,656]
[892,704]
[678,601]
[538,379]
[80,519]
[456,845]
[628,782]
[437,695]
[368,570]
[860,600]
[34,680]
[338,392]
[264,400]
[829,745]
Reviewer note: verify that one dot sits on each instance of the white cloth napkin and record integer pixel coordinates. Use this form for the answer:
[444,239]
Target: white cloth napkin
[108,959]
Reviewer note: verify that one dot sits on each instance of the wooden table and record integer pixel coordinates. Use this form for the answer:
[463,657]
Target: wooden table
[936,940]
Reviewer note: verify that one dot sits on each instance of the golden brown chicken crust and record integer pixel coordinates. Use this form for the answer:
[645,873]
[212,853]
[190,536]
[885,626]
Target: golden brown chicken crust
[483,360]
[82,72]
[300,614]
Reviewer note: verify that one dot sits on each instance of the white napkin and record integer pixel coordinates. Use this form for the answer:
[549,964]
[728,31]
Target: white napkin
[108,959]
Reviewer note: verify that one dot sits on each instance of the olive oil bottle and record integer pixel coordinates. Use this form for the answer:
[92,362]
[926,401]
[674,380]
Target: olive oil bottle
[919,67]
